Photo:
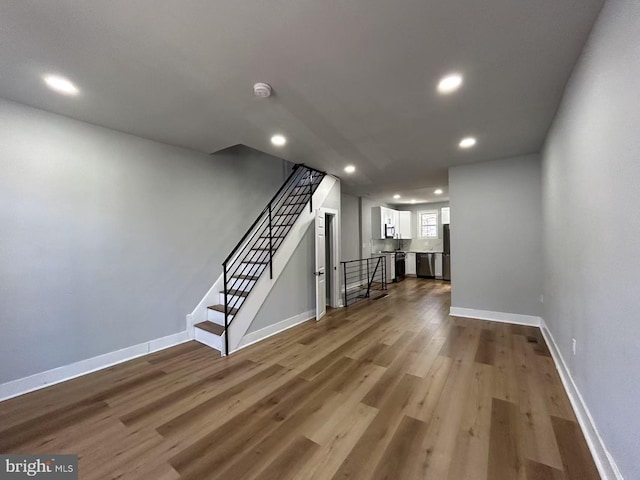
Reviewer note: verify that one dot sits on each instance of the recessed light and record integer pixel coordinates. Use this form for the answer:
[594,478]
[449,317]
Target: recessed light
[450,83]
[278,140]
[438,191]
[467,142]
[61,84]
[349,169]
[396,196]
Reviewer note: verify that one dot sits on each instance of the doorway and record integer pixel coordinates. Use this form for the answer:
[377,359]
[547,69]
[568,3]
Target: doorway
[328,221]
[327,235]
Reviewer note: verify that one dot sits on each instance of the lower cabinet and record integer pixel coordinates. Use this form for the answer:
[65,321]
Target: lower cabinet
[410,264]
[438,265]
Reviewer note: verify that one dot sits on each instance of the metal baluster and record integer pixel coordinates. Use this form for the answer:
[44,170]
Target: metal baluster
[310,191]
[226,310]
[346,302]
[270,245]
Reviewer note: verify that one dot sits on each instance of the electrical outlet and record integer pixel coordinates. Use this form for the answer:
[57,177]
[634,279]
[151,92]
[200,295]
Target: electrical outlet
[573,345]
[541,298]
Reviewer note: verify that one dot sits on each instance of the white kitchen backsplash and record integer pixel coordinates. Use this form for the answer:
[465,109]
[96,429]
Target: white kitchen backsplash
[424,245]
[414,245]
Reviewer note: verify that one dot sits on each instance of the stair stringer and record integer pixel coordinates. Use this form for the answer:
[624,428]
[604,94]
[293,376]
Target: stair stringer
[242,321]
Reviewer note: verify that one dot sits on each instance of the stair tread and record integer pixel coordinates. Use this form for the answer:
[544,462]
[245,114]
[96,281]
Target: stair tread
[220,308]
[237,293]
[246,277]
[261,262]
[210,327]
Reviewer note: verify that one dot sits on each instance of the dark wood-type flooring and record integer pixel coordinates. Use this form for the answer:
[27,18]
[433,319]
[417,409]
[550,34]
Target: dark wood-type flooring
[389,389]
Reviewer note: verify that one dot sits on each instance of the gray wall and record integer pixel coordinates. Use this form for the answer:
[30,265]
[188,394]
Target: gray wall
[496,238]
[295,290]
[109,240]
[591,198]
[350,227]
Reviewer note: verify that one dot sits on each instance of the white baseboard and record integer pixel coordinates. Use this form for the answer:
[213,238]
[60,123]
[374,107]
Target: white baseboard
[516,318]
[269,331]
[61,374]
[604,461]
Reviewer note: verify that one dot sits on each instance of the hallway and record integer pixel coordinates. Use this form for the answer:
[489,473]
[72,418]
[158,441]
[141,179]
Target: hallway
[392,389]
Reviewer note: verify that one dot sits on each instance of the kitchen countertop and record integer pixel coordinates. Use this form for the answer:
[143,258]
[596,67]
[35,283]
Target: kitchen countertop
[409,251]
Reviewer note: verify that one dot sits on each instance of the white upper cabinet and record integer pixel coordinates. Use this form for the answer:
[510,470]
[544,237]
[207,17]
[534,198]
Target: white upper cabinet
[404,225]
[380,218]
[383,216]
[445,214]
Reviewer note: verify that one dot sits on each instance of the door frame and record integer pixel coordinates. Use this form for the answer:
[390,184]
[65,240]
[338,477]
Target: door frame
[334,294]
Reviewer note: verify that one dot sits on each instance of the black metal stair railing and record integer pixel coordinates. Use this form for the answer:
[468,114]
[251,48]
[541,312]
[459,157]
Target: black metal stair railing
[254,252]
[363,277]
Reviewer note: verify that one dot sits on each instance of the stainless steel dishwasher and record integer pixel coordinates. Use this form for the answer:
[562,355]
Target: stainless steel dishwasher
[426,265]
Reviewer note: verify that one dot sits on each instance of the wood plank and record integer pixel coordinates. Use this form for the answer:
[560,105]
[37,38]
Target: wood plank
[210,327]
[389,389]
[576,460]
[505,456]
[540,471]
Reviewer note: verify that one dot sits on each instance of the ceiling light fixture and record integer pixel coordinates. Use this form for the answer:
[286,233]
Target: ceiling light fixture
[413,201]
[278,140]
[450,83]
[438,191]
[396,196]
[467,142]
[60,84]
[349,169]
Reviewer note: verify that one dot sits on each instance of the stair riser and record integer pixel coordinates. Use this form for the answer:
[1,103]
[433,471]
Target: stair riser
[253,269]
[281,224]
[259,255]
[208,338]
[300,191]
[238,284]
[278,228]
[235,301]
[290,211]
[264,243]
[217,317]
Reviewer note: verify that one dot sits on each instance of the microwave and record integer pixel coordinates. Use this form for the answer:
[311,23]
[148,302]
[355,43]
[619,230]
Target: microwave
[389,231]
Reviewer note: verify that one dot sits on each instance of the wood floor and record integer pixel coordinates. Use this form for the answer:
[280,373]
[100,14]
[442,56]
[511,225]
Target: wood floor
[395,389]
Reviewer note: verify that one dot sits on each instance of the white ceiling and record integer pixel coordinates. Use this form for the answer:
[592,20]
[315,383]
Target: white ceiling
[354,80]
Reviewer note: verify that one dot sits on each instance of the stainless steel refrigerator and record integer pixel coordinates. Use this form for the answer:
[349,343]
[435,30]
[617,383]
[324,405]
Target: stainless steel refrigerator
[446,254]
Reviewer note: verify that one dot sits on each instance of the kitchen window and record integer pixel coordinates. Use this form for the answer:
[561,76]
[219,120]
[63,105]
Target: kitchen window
[428,224]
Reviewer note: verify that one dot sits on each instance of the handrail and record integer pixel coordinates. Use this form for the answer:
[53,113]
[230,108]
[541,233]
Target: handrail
[293,173]
[359,279]
[260,235]
[361,259]
[372,276]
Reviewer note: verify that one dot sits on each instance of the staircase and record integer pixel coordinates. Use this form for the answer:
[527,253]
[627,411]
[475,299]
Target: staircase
[253,255]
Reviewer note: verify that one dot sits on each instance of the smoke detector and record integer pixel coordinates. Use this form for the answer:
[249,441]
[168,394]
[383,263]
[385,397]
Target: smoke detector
[262,90]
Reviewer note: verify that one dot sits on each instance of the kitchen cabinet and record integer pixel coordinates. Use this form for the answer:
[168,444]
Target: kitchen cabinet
[410,264]
[445,215]
[381,216]
[438,265]
[404,225]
